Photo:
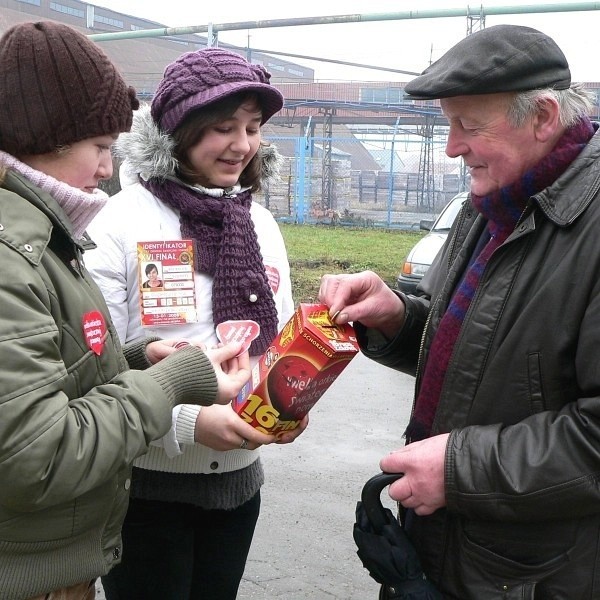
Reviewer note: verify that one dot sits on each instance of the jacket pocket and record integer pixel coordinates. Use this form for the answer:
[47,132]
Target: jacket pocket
[88,512]
[536,393]
[487,574]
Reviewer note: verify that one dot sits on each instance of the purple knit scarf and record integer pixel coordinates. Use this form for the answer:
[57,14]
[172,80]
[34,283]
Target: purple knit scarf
[502,209]
[226,247]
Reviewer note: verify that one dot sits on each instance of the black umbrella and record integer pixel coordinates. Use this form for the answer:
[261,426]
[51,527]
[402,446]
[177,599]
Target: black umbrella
[384,548]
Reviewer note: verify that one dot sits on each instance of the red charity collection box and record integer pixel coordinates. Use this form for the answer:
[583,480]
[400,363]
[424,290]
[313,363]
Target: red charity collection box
[304,359]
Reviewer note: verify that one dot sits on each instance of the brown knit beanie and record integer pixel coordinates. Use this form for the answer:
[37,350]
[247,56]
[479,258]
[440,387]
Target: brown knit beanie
[57,87]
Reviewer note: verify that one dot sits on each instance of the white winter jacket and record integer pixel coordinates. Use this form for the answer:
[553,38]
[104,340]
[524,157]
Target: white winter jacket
[134,215]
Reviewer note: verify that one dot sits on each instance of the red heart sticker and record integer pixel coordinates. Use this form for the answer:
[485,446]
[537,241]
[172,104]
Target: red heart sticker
[238,331]
[94,330]
[273,276]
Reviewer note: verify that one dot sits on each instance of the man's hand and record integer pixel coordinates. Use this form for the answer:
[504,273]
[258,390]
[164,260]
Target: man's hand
[363,297]
[422,487]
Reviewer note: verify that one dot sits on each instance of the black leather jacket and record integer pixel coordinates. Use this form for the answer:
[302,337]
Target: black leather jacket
[521,399]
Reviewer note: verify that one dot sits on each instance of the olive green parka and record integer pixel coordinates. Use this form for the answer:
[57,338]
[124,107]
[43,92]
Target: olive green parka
[73,417]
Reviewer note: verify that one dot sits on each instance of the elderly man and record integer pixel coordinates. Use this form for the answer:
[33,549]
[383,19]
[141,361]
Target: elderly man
[501,483]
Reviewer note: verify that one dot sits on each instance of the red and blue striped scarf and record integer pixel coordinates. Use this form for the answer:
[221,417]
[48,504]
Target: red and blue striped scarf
[502,209]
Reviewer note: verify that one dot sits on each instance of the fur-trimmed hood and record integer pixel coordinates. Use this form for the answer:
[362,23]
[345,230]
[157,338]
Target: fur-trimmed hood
[147,152]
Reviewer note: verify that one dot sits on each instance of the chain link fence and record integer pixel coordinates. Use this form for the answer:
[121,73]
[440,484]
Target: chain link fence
[371,182]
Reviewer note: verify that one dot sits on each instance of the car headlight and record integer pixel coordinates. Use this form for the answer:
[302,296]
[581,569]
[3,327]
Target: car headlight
[414,269]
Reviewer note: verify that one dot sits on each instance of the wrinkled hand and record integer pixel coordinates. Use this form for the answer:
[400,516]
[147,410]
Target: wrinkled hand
[422,487]
[232,370]
[363,297]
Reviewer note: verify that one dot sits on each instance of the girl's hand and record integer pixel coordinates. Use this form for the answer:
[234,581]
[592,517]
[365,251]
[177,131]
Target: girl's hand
[220,428]
[232,369]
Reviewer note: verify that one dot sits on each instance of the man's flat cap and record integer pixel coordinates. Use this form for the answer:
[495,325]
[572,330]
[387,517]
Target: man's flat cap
[503,58]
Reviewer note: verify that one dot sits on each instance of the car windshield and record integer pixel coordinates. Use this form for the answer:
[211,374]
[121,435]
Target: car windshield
[447,216]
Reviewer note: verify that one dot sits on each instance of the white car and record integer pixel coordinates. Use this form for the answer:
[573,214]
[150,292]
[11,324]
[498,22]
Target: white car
[421,256]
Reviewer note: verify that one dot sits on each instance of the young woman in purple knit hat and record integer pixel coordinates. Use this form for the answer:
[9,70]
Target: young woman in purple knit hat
[193,159]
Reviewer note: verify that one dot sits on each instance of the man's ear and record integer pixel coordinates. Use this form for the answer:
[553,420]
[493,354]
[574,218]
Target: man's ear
[546,123]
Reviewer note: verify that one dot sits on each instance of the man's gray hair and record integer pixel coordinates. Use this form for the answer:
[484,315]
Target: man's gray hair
[573,104]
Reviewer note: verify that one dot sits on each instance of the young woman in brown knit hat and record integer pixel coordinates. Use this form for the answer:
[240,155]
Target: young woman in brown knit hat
[196,156]
[73,416]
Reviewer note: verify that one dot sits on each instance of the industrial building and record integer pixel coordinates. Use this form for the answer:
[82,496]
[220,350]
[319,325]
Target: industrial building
[354,151]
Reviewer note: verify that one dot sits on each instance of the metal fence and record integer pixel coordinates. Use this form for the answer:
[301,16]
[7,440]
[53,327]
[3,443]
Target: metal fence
[374,181]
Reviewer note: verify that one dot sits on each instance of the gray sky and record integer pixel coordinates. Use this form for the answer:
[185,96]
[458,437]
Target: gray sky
[406,44]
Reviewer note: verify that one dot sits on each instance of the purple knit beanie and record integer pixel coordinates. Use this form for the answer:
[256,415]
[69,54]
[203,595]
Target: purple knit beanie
[199,78]
[57,87]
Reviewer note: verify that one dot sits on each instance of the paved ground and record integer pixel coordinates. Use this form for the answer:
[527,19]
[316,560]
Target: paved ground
[303,547]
